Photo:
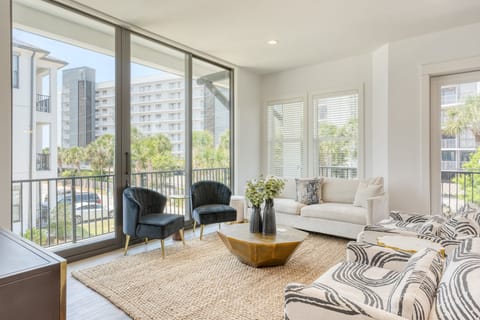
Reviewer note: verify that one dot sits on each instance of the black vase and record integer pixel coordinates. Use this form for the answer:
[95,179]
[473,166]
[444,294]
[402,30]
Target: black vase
[255,220]
[269,224]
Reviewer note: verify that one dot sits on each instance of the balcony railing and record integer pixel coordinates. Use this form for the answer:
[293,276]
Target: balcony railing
[58,211]
[43,103]
[338,172]
[458,189]
[43,161]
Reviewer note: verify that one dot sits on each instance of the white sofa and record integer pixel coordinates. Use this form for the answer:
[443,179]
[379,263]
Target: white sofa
[336,214]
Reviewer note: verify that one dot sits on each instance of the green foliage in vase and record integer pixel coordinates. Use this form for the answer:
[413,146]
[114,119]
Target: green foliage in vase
[261,189]
[273,187]
[254,192]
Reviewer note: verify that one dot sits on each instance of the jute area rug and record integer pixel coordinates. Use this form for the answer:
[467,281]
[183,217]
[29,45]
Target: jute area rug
[205,281]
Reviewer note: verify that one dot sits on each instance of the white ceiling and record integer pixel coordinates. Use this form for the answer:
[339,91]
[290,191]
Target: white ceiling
[308,31]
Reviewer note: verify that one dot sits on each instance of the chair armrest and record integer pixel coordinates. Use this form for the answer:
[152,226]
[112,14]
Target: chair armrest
[318,301]
[377,209]
[377,256]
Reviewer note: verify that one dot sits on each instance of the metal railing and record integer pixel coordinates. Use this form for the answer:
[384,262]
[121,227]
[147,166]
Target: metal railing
[459,188]
[338,172]
[43,103]
[43,161]
[64,210]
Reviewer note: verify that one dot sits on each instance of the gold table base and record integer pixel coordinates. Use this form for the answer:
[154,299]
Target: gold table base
[257,250]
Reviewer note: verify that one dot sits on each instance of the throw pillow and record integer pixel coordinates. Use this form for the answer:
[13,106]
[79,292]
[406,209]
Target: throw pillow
[432,226]
[365,191]
[413,291]
[307,190]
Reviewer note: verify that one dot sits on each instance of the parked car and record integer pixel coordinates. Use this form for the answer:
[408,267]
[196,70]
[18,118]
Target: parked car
[66,199]
[88,211]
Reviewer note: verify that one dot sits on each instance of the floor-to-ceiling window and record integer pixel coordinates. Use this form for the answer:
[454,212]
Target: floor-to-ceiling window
[75,134]
[63,132]
[211,129]
[157,120]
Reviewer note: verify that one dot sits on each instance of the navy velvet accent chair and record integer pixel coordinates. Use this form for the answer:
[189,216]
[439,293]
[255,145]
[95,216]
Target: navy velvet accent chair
[143,217]
[210,204]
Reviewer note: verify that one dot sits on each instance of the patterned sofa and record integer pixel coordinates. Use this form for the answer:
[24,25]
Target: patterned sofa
[447,231]
[381,283]
[343,207]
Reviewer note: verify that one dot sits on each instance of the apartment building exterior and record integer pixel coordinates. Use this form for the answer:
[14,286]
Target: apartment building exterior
[158,107]
[35,130]
[78,107]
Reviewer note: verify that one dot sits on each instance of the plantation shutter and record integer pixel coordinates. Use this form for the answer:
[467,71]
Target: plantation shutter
[286,146]
[336,134]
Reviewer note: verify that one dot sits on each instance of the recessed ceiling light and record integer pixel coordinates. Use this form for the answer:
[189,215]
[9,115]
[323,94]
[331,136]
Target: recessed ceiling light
[272,42]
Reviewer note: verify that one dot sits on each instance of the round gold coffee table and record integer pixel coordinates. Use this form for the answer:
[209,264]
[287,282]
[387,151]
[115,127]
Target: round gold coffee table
[258,250]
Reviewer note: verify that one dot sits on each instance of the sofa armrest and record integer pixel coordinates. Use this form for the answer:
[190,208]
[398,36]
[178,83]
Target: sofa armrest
[377,256]
[377,209]
[318,301]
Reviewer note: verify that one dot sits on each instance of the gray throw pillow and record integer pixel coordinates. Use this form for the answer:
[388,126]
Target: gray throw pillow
[307,190]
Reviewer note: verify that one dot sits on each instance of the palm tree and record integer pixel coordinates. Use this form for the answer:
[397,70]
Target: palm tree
[464,117]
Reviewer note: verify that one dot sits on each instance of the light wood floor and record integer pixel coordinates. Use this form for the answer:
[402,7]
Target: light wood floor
[84,303]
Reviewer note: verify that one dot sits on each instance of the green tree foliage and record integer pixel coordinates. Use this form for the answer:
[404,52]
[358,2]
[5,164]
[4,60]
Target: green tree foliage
[151,153]
[469,183]
[464,117]
[332,146]
[203,150]
[206,155]
[100,154]
[35,234]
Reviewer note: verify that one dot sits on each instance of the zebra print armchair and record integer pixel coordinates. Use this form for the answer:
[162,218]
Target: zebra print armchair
[374,283]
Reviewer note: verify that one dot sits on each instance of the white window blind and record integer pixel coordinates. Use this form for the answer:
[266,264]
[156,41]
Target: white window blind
[286,145]
[336,134]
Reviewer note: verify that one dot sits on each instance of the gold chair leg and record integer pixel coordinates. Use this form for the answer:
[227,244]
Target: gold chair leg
[201,231]
[146,240]
[163,248]
[194,225]
[182,236]
[127,240]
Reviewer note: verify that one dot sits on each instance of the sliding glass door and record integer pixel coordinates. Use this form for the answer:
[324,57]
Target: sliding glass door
[157,120]
[211,125]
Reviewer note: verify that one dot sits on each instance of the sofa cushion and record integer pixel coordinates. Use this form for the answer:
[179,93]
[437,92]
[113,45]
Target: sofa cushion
[366,191]
[289,189]
[339,190]
[307,190]
[414,291]
[336,211]
[458,295]
[288,206]
[360,282]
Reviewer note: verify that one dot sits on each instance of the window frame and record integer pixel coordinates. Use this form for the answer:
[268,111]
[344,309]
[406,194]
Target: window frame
[312,147]
[266,155]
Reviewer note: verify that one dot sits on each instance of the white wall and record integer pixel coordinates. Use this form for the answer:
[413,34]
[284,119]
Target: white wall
[5,119]
[340,75]
[247,128]
[379,120]
[408,138]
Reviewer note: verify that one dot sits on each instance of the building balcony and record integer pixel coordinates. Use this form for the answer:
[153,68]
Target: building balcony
[43,103]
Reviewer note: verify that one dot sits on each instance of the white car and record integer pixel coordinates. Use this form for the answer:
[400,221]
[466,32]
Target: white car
[91,211]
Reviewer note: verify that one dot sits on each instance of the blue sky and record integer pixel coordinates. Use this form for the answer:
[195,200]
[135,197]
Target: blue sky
[78,57]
